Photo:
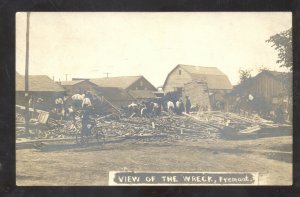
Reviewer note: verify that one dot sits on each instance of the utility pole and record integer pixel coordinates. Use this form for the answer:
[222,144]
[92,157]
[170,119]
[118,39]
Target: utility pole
[67,76]
[107,74]
[26,76]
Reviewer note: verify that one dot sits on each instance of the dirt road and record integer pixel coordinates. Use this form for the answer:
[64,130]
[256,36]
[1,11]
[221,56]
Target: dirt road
[69,164]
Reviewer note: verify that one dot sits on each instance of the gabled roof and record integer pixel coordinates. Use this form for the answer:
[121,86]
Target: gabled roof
[280,76]
[275,74]
[214,78]
[37,83]
[117,82]
[201,70]
[70,83]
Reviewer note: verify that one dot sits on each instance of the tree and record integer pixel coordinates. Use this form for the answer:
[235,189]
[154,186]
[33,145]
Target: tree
[283,44]
[244,75]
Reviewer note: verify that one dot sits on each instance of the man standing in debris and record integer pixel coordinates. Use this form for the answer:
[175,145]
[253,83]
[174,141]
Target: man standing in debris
[144,111]
[87,101]
[59,107]
[85,121]
[170,105]
[179,107]
[86,112]
[77,100]
[187,104]
[70,114]
[59,104]
[155,109]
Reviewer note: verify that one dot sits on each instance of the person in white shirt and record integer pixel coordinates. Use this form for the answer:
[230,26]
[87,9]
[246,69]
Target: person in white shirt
[171,106]
[77,100]
[86,102]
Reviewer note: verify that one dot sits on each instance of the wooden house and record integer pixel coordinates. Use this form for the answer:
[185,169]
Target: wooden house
[39,86]
[273,86]
[137,86]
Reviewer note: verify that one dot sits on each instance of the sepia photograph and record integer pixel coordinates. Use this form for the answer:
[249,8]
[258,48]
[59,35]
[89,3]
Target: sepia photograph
[154,98]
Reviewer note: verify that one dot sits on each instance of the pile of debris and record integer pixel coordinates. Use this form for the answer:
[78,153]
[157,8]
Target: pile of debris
[202,125]
[235,122]
[51,130]
[174,127]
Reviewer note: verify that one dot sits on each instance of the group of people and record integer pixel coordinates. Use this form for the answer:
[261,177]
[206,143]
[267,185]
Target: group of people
[151,108]
[179,106]
[78,102]
[81,103]
[145,109]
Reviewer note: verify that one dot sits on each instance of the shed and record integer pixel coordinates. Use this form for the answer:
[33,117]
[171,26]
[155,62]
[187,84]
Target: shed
[269,89]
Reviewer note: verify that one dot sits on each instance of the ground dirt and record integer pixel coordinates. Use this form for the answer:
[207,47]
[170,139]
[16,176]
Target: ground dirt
[66,163]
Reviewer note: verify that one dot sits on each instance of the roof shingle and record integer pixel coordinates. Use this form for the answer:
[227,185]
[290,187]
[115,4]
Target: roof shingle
[118,82]
[70,83]
[37,83]
[214,78]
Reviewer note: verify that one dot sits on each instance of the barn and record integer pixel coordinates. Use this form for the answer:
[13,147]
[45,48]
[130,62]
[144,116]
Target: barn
[40,86]
[216,81]
[138,87]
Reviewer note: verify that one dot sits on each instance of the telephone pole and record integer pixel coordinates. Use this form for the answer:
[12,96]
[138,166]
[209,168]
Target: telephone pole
[67,76]
[26,76]
[107,74]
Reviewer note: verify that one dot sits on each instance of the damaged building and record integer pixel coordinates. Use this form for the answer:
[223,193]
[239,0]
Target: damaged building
[206,86]
[114,96]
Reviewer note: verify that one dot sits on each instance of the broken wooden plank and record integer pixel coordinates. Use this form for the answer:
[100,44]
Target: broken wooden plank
[250,129]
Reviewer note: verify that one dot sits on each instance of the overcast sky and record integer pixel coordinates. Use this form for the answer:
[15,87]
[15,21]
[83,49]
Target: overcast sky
[149,44]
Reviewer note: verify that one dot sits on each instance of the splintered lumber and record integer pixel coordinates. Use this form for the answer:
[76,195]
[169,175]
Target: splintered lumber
[203,122]
[183,128]
[106,116]
[30,109]
[114,107]
[251,121]
[250,129]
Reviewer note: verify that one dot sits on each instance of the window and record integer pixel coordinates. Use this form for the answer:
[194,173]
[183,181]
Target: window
[179,72]
[145,88]
[141,83]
